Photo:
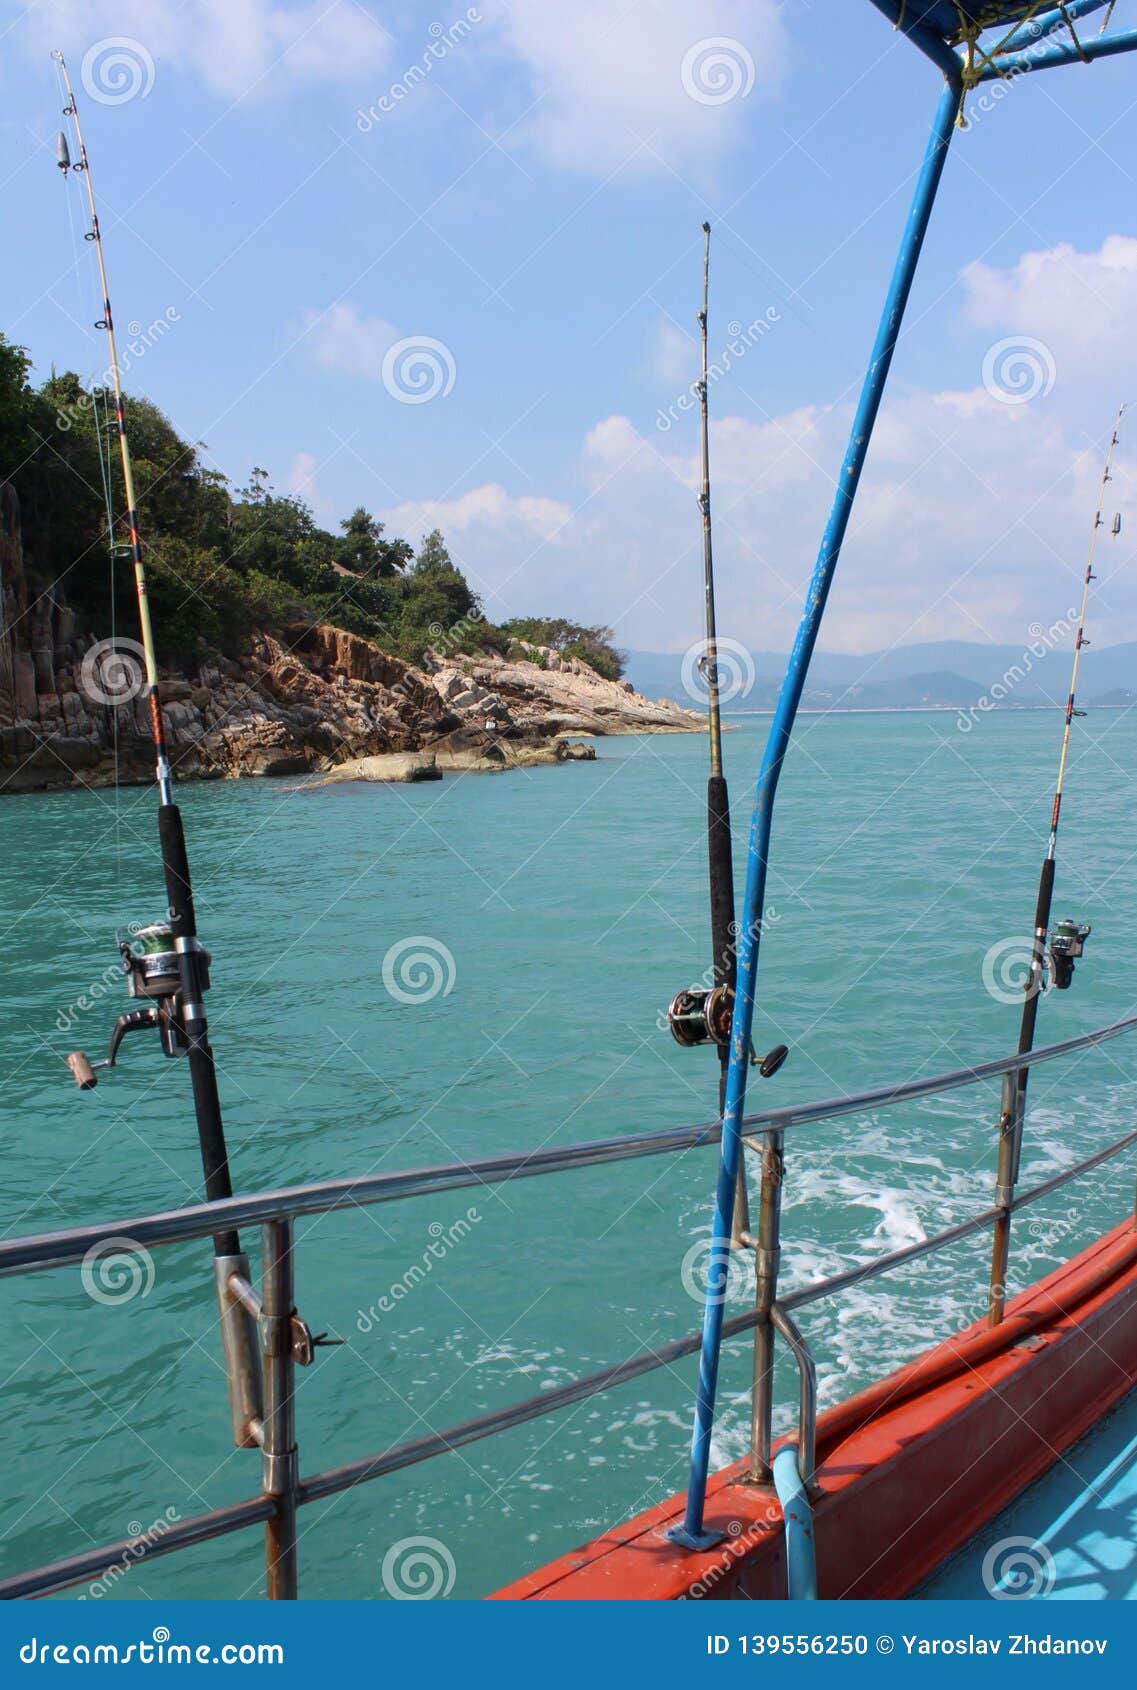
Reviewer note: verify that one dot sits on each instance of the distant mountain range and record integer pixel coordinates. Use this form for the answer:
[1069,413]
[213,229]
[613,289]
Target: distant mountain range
[942,674]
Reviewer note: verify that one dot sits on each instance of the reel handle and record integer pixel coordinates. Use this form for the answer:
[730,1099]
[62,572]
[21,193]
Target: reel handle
[85,1076]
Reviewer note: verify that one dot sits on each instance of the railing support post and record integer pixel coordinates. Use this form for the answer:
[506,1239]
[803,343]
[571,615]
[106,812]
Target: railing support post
[1010,1149]
[279,1459]
[767,1254]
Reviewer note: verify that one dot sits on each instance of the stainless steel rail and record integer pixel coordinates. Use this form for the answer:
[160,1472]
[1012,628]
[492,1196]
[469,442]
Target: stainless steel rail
[59,1249]
[283,1491]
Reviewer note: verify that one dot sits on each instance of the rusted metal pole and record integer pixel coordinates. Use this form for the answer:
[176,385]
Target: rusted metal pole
[767,1255]
[279,1461]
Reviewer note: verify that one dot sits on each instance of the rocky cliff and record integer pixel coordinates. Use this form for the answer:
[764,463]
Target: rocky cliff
[301,700]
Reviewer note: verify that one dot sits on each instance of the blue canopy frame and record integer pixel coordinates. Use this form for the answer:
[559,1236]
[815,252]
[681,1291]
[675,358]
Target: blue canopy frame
[970,42]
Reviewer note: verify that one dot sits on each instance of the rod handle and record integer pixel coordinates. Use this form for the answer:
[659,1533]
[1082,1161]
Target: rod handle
[85,1077]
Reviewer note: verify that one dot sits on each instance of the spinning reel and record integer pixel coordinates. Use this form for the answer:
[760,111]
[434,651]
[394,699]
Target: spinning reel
[697,1017]
[153,972]
[1065,944]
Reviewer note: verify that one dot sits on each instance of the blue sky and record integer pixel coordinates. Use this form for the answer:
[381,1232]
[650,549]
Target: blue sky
[294,199]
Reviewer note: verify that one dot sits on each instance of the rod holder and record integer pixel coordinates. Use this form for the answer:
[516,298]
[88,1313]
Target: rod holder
[241,1349]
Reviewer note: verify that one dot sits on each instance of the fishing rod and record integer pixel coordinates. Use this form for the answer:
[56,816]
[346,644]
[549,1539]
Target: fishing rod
[698,1016]
[169,969]
[1053,952]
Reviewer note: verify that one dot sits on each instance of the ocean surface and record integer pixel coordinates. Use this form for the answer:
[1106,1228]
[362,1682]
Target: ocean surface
[553,913]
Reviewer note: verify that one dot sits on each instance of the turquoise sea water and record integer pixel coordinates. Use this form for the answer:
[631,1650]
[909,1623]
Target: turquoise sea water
[564,906]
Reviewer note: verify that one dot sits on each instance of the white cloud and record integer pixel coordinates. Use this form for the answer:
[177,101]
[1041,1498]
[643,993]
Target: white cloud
[610,76]
[236,47]
[1080,305]
[971,524]
[341,338]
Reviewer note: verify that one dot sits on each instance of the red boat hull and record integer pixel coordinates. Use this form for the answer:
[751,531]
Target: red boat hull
[910,1469]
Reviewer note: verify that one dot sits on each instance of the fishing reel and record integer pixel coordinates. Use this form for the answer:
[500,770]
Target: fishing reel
[699,1017]
[1064,945]
[153,973]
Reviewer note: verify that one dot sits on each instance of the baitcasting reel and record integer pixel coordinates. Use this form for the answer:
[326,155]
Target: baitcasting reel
[1065,944]
[697,1017]
[153,972]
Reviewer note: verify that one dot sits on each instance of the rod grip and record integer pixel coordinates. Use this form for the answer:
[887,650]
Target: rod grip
[175,866]
[85,1077]
[720,864]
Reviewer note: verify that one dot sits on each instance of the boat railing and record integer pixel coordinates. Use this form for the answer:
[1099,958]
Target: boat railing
[284,1341]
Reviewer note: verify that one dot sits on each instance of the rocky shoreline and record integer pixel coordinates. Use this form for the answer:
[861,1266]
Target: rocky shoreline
[312,701]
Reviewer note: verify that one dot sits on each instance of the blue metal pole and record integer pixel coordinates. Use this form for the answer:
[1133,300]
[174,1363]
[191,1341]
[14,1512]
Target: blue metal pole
[1045,23]
[691,1533]
[1060,53]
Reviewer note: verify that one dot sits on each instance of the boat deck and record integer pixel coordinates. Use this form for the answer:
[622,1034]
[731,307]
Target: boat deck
[1071,1536]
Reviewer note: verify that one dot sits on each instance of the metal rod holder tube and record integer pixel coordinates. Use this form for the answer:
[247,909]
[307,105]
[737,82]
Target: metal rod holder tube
[765,1295]
[240,1348]
[807,1401]
[279,1459]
